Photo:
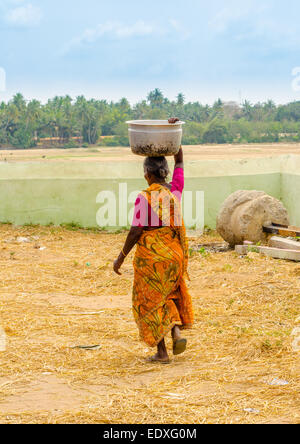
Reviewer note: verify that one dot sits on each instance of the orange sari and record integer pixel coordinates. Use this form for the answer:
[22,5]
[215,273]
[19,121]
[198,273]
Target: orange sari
[161,298]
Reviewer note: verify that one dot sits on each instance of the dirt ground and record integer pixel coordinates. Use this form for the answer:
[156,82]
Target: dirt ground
[107,154]
[58,291]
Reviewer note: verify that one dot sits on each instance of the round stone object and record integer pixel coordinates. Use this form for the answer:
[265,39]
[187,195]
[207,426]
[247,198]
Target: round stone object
[244,213]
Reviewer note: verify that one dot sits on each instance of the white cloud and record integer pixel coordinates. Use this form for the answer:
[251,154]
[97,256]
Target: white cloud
[117,31]
[252,21]
[178,27]
[114,30]
[24,15]
[233,12]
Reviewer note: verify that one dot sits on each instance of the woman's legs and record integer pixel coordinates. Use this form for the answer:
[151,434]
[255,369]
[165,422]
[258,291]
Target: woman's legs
[176,333]
[162,354]
[162,350]
[179,344]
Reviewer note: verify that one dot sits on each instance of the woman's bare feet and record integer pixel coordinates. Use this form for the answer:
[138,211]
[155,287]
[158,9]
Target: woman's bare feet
[161,355]
[158,358]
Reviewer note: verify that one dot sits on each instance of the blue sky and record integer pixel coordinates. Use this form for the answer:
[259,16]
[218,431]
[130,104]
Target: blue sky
[115,48]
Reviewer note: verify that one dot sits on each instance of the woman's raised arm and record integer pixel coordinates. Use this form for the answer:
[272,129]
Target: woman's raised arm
[178,158]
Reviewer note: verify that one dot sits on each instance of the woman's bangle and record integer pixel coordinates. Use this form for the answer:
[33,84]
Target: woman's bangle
[125,255]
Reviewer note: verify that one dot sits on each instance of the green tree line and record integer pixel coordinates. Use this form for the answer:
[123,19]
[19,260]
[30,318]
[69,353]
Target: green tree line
[23,124]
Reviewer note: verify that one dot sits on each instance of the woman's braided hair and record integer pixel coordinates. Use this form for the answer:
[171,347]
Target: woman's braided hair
[158,166]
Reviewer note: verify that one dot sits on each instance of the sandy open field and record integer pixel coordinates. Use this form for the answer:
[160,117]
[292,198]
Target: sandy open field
[114,154]
[66,295]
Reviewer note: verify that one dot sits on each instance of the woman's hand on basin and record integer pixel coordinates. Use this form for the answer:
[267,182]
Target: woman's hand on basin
[173,120]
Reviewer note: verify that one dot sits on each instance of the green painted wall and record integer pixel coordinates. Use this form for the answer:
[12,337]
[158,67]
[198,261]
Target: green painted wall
[290,187]
[291,196]
[66,191]
[217,189]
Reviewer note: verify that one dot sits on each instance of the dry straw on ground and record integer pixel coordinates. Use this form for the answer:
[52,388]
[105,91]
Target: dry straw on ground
[66,295]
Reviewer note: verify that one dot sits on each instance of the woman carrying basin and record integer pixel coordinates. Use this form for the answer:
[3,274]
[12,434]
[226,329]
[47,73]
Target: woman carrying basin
[161,300]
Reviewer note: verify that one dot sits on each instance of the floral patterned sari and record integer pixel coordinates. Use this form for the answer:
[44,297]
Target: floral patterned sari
[161,298]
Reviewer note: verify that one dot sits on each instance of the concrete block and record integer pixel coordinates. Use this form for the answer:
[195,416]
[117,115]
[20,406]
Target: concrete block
[279,242]
[276,253]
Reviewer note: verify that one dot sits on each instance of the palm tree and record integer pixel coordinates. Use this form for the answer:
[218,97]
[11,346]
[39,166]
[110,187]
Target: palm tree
[140,110]
[247,110]
[156,98]
[33,113]
[19,101]
[180,99]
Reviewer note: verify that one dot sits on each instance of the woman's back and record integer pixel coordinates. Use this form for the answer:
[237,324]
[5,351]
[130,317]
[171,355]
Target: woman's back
[148,212]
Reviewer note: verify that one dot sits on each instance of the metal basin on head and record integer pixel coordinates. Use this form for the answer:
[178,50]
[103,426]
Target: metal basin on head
[154,138]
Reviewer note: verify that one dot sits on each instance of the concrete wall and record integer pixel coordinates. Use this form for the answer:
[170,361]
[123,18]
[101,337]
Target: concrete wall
[290,187]
[66,191]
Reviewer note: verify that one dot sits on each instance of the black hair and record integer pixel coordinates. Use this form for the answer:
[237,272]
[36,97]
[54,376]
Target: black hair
[158,166]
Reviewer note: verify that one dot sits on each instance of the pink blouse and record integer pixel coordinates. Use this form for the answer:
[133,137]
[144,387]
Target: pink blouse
[143,210]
